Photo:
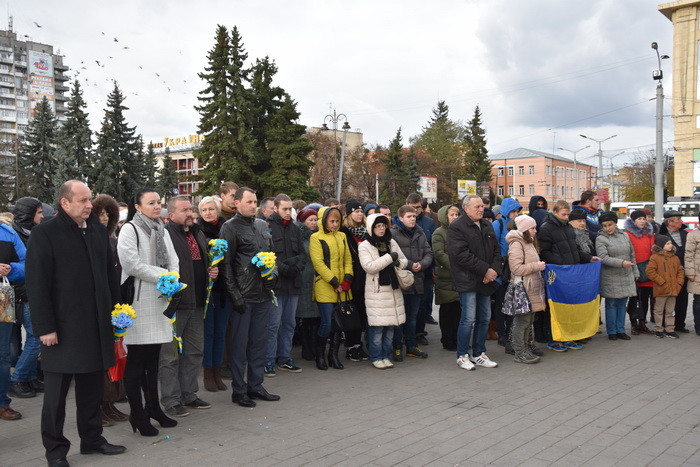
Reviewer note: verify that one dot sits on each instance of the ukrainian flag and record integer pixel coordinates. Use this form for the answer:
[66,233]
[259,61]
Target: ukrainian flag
[573,294]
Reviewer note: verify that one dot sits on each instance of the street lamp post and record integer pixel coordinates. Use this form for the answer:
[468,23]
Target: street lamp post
[578,193]
[334,119]
[599,175]
[659,162]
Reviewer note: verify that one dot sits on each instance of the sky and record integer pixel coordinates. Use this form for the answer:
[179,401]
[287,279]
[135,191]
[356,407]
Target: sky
[541,71]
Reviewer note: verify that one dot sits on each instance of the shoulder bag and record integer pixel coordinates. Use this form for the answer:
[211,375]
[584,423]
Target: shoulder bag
[127,289]
[7,302]
[405,277]
[345,317]
[516,300]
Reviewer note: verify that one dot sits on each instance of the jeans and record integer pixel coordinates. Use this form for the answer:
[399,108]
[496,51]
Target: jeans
[178,372]
[215,324]
[280,329]
[5,360]
[411,304]
[26,370]
[326,312]
[379,340]
[476,314]
[615,312]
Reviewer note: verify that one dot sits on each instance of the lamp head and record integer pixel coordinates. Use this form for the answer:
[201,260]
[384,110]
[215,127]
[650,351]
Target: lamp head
[654,45]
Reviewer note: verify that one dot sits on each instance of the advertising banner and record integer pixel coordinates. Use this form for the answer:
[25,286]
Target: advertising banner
[41,82]
[428,187]
[465,188]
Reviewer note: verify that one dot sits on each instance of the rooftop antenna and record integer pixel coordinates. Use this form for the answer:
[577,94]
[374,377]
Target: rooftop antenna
[10,19]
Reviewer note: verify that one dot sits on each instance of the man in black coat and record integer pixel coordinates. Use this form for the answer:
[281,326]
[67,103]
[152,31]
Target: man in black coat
[291,261]
[475,257]
[179,372]
[674,227]
[72,290]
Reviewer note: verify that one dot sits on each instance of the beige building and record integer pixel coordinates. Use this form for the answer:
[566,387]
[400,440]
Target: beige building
[522,173]
[685,16]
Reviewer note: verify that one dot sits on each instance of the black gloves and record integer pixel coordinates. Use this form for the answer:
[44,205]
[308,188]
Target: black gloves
[394,255]
[239,306]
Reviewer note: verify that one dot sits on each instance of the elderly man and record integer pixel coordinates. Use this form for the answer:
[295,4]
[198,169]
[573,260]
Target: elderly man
[72,288]
[674,227]
[475,258]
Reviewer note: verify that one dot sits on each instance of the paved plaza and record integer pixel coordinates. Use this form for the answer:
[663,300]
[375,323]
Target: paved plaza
[614,403]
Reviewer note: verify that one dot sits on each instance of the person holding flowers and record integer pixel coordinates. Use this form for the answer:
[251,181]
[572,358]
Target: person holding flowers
[251,298]
[218,310]
[146,252]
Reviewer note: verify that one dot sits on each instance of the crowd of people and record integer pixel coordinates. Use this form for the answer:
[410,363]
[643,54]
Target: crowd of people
[69,268]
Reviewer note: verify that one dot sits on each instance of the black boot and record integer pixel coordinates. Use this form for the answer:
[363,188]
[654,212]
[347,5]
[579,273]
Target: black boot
[321,353]
[138,418]
[308,343]
[153,409]
[333,359]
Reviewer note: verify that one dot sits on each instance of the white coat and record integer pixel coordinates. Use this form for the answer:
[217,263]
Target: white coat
[150,326]
[384,304]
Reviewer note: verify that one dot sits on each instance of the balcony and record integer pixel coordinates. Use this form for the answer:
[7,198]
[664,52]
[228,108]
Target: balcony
[21,63]
[60,77]
[8,118]
[7,59]
[7,84]
[60,67]
[12,131]
[61,97]
[61,88]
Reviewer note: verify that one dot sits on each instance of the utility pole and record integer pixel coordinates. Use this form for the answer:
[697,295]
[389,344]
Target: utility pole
[578,193]
[659,162]
[599,174]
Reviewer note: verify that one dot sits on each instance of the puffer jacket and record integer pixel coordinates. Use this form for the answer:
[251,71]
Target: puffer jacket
[384,304]
[666,272]
[692,260]
[24,212]
[330,255]
[414,245]
[523,260]
[500,226]
[642,241]
[613,249]
[246,238]
[558,243]
[444,291]
[473,250]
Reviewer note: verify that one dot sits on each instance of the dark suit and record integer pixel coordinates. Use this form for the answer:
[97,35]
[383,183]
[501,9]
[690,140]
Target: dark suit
[70,285]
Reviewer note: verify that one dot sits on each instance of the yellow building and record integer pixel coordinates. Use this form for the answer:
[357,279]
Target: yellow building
[685,16]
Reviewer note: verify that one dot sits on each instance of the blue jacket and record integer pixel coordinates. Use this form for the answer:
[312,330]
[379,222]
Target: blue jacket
[9,240]
[539,214]
[499,227]
[428,226]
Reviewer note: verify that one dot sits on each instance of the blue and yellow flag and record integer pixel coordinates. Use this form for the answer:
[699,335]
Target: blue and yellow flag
[573,293]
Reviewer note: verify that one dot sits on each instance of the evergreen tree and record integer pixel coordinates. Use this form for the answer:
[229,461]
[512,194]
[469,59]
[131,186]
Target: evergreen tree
[74,148]
[150,166]
[167,176]
[412,171]
[289,166]
[108,165]
[224,153]
[476,156]
[37,163]
[392,192]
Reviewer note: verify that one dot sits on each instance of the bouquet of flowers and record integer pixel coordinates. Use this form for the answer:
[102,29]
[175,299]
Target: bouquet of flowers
[216,255]
[170,286]
[122,318]
[266,262]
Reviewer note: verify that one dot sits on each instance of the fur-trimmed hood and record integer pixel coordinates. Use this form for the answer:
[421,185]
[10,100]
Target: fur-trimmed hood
[636,231]
[659,250]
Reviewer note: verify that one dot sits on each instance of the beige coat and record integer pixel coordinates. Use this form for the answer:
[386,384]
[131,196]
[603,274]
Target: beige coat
[692,260]
[384,304]
[523,259]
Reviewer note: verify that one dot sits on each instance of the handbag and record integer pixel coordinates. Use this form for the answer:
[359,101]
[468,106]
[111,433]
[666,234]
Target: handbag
[116,373]
[7,302]
[642,266]
[345,317]
[516,301]
[127,289]
[405,278]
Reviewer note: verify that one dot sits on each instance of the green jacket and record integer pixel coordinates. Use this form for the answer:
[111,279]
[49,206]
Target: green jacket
[444,292]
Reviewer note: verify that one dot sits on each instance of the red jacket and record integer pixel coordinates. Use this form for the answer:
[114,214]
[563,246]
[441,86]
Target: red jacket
[642,241]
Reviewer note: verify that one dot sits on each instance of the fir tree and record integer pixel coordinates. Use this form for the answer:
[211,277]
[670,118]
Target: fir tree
[37,163]
[476,156]
[412,171]
[74,148]
[108,165]
[289,165]
[391,192]
[150,166]
[167,176]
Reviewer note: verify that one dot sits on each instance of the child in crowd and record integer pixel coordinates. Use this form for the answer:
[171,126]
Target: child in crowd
[665,271]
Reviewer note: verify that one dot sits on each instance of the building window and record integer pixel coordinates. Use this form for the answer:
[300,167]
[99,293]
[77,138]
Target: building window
[510,190]
[500,171]
[521,170]
[500,191]
[521,190]
[549,189]
[561,189]
[531,170]
[548,170]
[510,171]
[532,190]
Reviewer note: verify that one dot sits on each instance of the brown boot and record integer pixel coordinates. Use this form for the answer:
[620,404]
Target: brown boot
[114,413]
[635,327]
[106,421]
[492,335]
[217,379]
[209,383]
[642,327]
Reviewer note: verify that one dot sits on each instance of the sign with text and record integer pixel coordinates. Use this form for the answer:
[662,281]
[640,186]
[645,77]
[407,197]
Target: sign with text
[428,187]
[466,188]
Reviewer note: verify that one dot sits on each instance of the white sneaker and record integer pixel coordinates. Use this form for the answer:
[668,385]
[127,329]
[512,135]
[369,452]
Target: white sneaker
[483,360]
[464,362]
[387,363]
[379,364]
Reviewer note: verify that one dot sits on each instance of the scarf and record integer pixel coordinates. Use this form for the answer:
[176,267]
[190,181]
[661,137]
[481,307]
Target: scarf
[387,276]
[157,241]
[360,233]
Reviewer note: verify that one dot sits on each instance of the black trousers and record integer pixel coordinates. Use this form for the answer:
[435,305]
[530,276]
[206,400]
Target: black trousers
[638,306]
[681,306]
[88,396]
[353,338]
[142,371]
[449,322]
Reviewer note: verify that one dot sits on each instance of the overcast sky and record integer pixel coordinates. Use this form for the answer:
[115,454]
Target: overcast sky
[542,71]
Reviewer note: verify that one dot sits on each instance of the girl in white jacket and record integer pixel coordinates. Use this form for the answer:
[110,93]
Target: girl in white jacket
[379,255]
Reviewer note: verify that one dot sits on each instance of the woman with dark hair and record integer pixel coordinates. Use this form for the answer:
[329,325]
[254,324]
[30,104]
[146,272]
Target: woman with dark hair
[307,312]
[218,311]
[146,252]
[107,211]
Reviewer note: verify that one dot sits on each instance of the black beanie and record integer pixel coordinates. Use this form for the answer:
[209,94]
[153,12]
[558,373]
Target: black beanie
[637,214]
[351,205]
[607,216]
[661,240]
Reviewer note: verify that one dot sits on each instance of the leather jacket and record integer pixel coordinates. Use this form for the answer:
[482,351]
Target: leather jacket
[246,237]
